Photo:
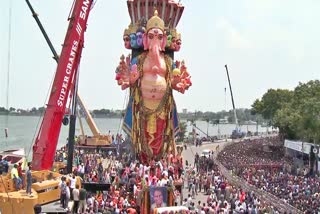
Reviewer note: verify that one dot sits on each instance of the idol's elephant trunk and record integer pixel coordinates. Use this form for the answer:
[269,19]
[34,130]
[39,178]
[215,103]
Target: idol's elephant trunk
[154,51]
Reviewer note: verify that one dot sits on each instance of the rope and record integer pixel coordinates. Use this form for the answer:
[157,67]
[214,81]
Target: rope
[125,103]
[8,67]
[70,12]
[93,4]
[41,116]
[7,95]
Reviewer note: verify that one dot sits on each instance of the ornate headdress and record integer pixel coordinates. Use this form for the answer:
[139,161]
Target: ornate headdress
[178,36]
[126,32]
[175,34]
[132,28]
[155,22]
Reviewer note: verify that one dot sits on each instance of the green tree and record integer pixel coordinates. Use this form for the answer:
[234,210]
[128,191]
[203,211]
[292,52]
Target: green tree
[41,110]
[296,113]
[307,101]
[306,91]
[33,110]
[286,119]
[3,109]
[271,102]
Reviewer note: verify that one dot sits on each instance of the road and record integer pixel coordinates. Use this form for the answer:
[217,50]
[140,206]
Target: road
[189,156]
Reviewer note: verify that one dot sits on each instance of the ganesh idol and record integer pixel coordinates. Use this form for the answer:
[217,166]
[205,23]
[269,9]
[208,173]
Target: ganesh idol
[151,118]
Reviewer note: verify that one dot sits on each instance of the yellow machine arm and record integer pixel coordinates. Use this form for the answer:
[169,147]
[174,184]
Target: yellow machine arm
[93,127]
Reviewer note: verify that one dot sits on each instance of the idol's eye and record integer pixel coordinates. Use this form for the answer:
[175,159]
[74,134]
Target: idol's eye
[160,36]
[126,39]
[178,42]
[150,36]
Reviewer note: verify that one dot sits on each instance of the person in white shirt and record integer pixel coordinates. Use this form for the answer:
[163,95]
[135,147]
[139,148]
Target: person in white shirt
[72,181]
[141,170]
[160,165]
[165,173]
[67,196]
[189,200]
[164,181]
[75,195]
[81,170]
[132,166]
[90,202]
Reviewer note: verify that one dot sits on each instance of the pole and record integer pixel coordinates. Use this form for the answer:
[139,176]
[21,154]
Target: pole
[35,16]
[233,105]
[207,128]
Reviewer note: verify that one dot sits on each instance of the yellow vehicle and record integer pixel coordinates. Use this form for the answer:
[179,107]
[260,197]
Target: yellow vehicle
[45,184]
[44,190]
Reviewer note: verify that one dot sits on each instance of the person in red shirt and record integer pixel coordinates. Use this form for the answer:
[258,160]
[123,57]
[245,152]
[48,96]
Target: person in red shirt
[20,174]
[95,178]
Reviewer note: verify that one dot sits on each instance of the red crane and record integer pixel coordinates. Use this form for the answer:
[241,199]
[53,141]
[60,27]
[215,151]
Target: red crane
[47,139]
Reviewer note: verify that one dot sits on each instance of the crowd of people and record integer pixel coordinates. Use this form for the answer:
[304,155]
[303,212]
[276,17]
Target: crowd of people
[127,178]
[21,177]
[263,163]
[262,151]
[205,177]
[260,162]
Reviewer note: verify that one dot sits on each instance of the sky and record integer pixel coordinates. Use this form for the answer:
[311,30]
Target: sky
[265,43]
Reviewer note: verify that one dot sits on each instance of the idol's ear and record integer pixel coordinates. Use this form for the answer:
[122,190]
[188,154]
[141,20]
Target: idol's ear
[164,42]
[145,42]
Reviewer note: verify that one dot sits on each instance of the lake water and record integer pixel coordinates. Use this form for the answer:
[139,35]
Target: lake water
[22,130]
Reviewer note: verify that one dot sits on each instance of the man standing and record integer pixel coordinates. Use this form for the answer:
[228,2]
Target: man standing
[75,195]
[68,193]
[82,200]
[2,167]
[29,179]
[73,181]
[15,177]
[20,174]
[63,192]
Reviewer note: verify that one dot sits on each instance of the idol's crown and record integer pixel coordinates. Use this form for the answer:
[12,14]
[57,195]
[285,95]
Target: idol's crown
[155,22]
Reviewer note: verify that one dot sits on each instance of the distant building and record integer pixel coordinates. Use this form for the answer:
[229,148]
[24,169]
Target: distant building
[224,120]
[184,111]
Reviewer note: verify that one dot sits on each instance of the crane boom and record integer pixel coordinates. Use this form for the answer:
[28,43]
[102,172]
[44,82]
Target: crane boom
[93,127]
[47,139]
[233,105]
